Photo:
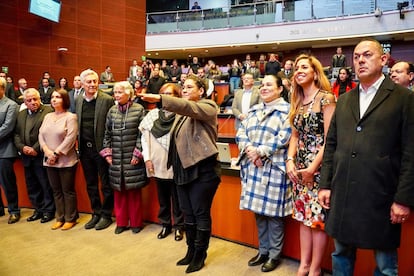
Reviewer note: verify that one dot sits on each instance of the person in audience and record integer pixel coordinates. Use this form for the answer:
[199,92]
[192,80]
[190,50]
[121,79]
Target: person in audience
[57,138]
[261,65]
[287,71]
[201,73]
[46,91]
[343,83]
[133,70]
[403,73]
[46,75]
[165,68]
[288,89]
[339,59]
[366,182]
[8,153]
[26,139]
[273,65]
[123,152]
[246,63]
[193,66]
[183,77]
[155,82]
[214,72]
[196,6]
[312,106]
[92,109]
[196,169]
[155,129]
[235,72]
[262,140]
[63,84]
[390,60]
[75,92]
[107,75]
[138,90]
[244,99]
[253,70]
[9,90]
[22,86]
[174,72]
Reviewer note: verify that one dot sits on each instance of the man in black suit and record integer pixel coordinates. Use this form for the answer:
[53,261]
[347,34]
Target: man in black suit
[76,91]
[22,85]
[339,59]
[367,176]
[92,109]
[9,92]
[46,91]
[27,143]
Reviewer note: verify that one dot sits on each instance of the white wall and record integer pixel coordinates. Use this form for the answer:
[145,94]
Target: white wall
[359,26]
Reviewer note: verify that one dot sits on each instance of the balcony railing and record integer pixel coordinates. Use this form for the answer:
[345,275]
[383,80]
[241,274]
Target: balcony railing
[261,13]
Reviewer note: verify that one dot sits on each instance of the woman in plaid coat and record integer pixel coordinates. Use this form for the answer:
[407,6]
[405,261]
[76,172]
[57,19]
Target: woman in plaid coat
[262,140]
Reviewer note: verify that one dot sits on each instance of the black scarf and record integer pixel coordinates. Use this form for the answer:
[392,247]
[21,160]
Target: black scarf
[162,125]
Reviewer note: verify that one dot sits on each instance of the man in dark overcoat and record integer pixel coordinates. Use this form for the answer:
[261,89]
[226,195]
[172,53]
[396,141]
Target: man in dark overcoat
[367,176]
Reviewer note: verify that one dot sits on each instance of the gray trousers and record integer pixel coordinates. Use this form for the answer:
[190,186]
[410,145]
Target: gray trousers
[271,234]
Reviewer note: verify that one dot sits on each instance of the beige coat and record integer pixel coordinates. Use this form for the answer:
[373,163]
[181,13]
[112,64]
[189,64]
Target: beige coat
[196,123]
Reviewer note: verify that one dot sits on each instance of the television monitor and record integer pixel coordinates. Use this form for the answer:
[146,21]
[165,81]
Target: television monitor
[49,9]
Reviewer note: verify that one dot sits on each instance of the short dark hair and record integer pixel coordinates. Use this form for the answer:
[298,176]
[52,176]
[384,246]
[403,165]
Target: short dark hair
[65,98]
[410,67]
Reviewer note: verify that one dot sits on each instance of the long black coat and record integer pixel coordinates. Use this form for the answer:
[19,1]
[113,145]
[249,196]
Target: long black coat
[368,164]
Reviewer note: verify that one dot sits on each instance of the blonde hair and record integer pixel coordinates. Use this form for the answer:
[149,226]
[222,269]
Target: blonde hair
[297,96]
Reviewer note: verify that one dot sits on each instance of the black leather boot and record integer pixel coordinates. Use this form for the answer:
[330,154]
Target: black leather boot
[190,235]
[200,254]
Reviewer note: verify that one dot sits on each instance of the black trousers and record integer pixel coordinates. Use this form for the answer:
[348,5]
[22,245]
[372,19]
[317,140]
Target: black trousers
[95,167]
[168,199]
[38,187]
[196,199]
[8,182]
[62,181]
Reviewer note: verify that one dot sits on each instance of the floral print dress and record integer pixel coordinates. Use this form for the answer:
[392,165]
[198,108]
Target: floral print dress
[311,138]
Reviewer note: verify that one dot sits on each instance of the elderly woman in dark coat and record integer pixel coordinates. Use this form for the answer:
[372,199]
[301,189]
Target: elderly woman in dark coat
[122,150]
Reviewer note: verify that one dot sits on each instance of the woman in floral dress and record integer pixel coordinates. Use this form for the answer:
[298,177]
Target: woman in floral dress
[311,110]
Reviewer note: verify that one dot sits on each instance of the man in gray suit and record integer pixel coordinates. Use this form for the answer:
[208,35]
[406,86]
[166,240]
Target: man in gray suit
[367,176]
[92,109]
[244,99]
[76,91]
[8,153]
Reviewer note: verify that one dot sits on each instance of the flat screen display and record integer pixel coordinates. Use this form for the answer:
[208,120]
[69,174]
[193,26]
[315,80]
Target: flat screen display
[49,9]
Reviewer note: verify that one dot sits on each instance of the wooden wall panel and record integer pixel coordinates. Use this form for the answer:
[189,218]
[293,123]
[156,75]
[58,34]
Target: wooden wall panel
[95,32]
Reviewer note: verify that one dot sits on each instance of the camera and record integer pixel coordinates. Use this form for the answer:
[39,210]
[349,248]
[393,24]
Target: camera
[401,5]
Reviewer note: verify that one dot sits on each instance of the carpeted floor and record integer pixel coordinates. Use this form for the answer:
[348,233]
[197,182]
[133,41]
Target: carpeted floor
[31,248]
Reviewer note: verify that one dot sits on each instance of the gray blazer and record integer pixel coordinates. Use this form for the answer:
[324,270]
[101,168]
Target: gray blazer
[71,93]
[8,116]
[103,103]
[237,102]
